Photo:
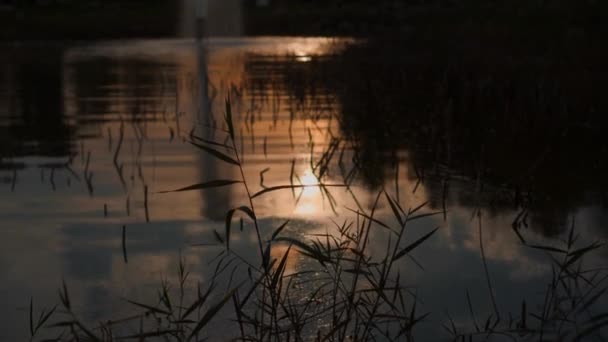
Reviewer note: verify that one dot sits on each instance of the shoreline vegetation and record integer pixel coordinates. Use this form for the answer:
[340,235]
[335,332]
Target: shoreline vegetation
[347,293]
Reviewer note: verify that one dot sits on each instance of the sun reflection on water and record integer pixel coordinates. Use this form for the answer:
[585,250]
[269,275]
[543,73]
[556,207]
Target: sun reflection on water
[310,201]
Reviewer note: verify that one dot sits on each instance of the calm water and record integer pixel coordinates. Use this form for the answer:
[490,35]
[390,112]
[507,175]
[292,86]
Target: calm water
[90,134]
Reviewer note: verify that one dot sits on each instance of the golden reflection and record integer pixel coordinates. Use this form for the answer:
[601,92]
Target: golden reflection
[303,58]
[309,180]
[308,46]
[310,199]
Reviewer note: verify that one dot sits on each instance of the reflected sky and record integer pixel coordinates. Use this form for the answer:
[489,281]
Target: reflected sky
[91,134]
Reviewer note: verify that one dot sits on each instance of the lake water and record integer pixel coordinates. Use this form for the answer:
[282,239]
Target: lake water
[92,133]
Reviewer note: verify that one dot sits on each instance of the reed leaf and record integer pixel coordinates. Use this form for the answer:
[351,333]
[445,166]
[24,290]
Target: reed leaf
[548,249]
[229,118]
[229,215]
[211,142]
[284,187]
[395,209]
[279,230]
[219,155]
[149,307]
[413,246]
[206,185]
[210,314]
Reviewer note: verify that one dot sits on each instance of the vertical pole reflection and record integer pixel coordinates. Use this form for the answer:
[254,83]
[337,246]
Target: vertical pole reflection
[201,17]
[220,18]
[215,201]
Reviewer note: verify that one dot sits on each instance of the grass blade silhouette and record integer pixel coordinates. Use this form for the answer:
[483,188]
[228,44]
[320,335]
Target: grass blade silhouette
[413,246]
[219,155]
[206,185]
[208,316]
[229,215]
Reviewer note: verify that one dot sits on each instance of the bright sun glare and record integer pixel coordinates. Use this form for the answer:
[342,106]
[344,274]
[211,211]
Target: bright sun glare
[309,201]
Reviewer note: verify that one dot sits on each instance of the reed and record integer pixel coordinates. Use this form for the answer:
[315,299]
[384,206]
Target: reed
[347,294]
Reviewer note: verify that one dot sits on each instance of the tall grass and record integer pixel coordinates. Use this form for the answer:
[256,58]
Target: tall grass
[347,294]
[567,310]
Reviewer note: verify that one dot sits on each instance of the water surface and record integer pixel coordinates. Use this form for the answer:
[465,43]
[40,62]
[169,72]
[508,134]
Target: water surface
[91,133]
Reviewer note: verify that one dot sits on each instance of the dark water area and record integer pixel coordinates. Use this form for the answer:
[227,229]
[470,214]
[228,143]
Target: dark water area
[529,127]
[505,150]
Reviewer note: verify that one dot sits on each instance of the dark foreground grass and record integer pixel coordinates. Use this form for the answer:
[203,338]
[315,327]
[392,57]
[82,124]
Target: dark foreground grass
[353,295]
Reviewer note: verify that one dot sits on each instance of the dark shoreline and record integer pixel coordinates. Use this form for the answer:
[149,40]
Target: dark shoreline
[159,19]
[86,23]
